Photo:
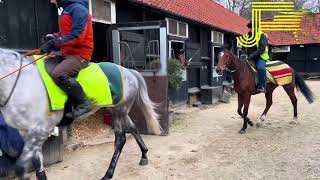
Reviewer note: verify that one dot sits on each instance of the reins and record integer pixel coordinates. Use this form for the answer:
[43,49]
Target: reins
[230,70]
[33,52]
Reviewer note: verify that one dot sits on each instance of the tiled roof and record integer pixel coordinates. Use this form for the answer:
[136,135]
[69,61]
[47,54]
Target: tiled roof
[309,35]
[205,11]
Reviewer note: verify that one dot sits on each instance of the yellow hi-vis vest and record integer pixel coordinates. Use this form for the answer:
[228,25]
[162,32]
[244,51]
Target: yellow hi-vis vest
[265,55]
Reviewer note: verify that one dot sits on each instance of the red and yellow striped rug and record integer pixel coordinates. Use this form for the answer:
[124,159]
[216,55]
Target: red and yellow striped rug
[281,72]
[278,72]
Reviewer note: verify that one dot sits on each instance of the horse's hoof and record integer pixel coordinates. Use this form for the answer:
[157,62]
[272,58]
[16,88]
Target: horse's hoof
[20,172]
[259,124]
[263,118]
[250,123]
[108,176]
[105,178]
[144,162]
[25,178]
[242,131]
[41,176]
[294,122]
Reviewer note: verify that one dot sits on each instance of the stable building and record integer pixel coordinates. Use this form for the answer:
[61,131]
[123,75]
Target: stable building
[301,50]
[200,29]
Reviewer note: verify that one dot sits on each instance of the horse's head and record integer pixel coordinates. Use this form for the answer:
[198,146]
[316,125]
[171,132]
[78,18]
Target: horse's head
[226,61]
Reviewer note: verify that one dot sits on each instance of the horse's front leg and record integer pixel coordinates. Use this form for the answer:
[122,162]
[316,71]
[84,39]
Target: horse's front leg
[246,120]
[37,162]
[240,105]
[32,147]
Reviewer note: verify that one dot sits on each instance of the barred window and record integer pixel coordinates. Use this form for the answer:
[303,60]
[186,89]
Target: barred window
[103,11]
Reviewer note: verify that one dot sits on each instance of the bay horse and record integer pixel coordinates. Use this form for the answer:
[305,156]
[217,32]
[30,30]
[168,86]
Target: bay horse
[245,86]
[24,105]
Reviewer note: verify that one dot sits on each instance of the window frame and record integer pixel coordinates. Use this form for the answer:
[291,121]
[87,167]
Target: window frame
[281,49]
[238,44]
[213,55]
[112,11]
[171,41]
[219,34]
[177,24]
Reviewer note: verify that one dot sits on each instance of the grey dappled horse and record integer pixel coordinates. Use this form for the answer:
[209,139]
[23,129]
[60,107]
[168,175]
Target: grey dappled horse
[27,108]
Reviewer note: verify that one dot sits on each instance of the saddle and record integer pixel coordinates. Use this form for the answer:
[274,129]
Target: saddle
[50,63]
[278,72]
[102,83]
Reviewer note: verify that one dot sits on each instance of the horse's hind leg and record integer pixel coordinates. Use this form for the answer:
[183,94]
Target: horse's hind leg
[31,149]
[290,91]
[268,95]
[120,140]
[134,131]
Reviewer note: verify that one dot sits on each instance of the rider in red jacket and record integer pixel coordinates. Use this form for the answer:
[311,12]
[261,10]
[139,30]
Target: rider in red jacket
[75,41]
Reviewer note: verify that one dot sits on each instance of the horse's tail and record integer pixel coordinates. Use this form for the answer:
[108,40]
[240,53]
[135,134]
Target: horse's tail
[147,106]
[303,87]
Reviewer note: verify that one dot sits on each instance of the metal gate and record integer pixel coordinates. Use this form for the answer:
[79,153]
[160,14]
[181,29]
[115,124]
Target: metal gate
[143,46]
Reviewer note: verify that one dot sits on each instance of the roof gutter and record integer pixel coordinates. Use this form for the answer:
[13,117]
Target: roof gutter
[160,10]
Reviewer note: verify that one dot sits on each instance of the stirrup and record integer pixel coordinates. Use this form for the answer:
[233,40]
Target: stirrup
[80,110]
[261,89]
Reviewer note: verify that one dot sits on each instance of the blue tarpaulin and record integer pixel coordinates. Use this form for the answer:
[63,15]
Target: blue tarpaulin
[11,142]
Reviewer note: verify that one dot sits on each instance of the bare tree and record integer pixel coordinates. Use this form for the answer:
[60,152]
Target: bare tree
[238,6]
[299,4]
[314,5]
[243,7]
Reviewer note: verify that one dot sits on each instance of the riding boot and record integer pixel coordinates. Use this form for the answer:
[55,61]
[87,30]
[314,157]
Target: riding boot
[78,97]
[262,81]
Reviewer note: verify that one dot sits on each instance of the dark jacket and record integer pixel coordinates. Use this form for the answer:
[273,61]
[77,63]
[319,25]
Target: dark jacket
[11,142]
[76,33]
[255,51]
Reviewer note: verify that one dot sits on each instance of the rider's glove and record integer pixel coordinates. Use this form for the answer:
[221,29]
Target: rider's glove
[47,47]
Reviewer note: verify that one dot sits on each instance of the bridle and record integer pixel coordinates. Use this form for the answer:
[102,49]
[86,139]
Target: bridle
[231,71]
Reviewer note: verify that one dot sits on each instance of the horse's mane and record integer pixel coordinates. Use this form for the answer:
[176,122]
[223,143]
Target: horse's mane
[7,60]
[244,64]
[8,51]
